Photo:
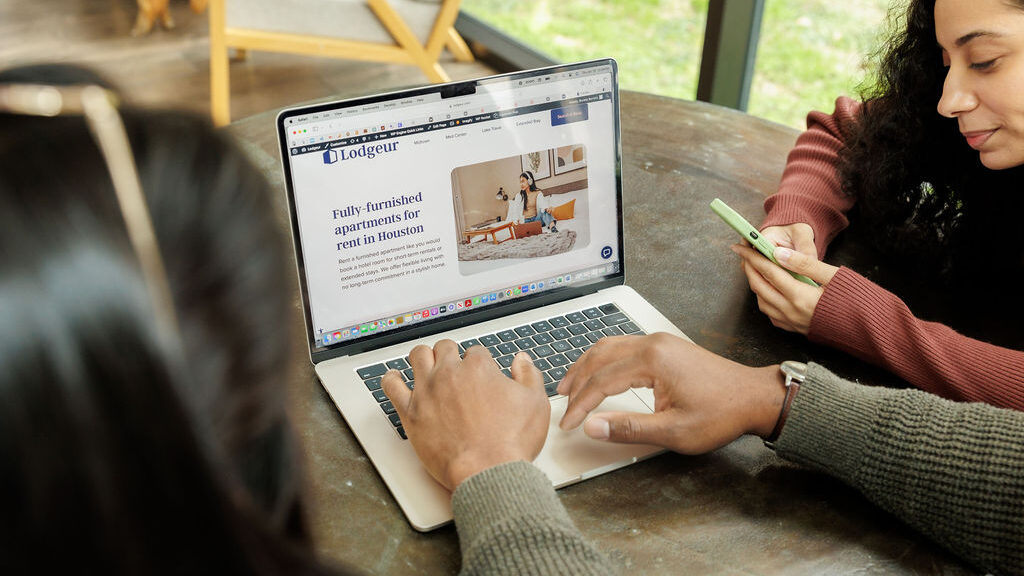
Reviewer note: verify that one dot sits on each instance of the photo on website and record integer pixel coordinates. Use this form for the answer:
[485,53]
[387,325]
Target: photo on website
[521,207]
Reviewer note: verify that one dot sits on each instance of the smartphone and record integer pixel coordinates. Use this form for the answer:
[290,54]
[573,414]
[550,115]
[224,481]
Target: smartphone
[760,242]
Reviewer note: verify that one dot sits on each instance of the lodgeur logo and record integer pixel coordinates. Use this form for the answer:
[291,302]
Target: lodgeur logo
[369,152]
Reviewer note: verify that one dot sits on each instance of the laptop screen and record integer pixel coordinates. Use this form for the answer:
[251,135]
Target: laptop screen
[429,204]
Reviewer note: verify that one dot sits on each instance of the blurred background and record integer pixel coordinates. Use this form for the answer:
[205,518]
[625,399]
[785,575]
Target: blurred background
[805,52]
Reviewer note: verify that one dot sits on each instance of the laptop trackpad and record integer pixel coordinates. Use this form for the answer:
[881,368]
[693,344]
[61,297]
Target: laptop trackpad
[571,456]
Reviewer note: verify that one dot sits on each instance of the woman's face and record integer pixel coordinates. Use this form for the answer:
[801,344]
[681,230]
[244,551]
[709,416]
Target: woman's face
[982,45]
[523,183]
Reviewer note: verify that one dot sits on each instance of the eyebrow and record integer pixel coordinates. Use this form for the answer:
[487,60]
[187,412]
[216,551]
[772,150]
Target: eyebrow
[971,36]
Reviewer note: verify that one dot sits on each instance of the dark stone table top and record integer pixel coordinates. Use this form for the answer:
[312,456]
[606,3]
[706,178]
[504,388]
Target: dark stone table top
[740,510]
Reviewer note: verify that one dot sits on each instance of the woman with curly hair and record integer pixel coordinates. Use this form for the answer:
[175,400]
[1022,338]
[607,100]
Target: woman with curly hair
[931,164]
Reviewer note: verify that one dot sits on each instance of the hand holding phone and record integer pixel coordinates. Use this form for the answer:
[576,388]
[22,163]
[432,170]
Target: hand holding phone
[760,243]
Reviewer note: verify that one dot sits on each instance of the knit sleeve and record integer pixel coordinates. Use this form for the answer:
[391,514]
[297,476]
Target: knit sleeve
[953,471]
[811,191]
[863,319]
[510,521]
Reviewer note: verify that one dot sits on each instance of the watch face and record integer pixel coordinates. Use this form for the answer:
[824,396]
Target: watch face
[795,370]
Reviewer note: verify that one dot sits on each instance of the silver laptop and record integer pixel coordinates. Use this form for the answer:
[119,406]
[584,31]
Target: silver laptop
[410,226]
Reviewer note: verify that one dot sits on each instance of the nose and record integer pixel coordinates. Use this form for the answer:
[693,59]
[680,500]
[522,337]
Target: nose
[957,96]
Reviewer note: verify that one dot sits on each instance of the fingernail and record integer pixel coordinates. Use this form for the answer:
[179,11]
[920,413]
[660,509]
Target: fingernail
[597,428]
[783,254]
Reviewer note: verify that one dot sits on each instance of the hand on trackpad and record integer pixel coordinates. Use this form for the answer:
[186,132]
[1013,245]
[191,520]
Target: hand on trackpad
[570,454]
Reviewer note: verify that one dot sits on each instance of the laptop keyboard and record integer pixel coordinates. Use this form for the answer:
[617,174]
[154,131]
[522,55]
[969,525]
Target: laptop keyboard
[554,344]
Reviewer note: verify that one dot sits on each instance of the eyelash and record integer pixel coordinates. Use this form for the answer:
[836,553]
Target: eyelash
[983,65]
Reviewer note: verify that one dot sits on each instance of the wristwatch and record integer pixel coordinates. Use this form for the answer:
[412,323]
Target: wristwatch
[795,373]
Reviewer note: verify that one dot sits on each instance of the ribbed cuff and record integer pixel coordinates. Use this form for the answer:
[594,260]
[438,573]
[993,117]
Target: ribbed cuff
[505,491]
[829,422]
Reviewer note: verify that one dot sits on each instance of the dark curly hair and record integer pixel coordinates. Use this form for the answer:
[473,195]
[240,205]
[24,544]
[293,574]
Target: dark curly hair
[921,189]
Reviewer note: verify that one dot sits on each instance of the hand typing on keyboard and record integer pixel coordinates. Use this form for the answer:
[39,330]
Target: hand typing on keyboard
[464,415]
[702,401]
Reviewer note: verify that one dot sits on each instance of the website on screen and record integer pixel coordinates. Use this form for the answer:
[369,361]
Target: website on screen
[419,207]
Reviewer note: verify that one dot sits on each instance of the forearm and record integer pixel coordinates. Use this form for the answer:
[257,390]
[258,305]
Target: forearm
[510,521]
[811,189]
[953,471]
[863,319]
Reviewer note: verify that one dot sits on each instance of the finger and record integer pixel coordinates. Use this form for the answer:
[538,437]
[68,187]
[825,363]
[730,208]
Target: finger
[775,275]
[421,358]
[524,372]
[397,391]
[612,379]
[629,427]
[593,359]
[801,263]
[446,351]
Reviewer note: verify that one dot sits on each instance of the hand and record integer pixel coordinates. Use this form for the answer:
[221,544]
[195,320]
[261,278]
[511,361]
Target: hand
[788,302]
[798,236]
[701,401]
[465,416]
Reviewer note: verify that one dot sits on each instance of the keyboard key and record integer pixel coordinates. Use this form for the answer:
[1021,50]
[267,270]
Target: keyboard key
[494,351]
[507,335]
[371,371]
[542,326]
[471,342]
[408,374]
[574,354]
[558,360]
[506,372]
[525,343]
[560,333]
[614,319]
[380,396]
[373,384]
[551,389]
[612,331]
[397,364]
[559,322]
[561,346]
[577,329]
[576,317]
[542,364]
[525,331]
[401,432]
[387,407]
[543,350]
[594,337]
[505,361]
[411,384]
[490,340]
[608,308]
[629,328]
[579,341]
[507,348]
[395,420]
[594,324]
[533,355]
[543,339]
[547,379]
[557,373]
[592,313]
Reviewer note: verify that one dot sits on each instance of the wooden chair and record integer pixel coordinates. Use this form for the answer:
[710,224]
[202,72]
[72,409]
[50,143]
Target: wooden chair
[403,31]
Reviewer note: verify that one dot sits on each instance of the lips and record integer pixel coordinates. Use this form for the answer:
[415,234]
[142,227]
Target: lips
[977,138]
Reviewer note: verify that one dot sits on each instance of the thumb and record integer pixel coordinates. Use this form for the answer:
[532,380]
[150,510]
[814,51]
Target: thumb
[627,427]
[801,263]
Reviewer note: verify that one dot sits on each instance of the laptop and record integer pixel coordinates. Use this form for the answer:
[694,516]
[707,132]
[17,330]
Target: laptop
[411,225]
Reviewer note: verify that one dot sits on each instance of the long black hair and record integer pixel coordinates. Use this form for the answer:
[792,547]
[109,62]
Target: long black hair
[921,189]
[129,452]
